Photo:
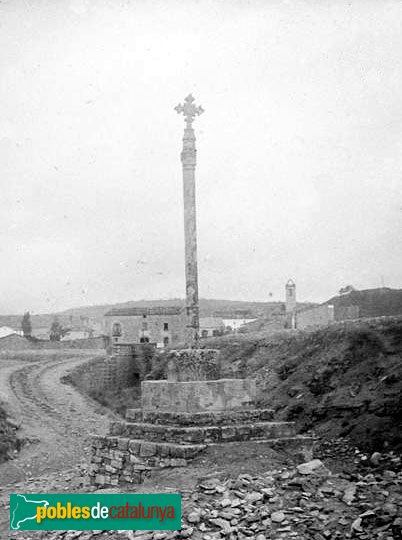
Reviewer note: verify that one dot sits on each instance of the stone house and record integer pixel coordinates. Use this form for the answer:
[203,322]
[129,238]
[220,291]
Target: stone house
[315,317]
[161,326]
[211,326]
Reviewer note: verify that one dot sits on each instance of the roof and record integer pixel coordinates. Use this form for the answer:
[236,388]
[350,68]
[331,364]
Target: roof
[6,331]
[234,314]
[139,312]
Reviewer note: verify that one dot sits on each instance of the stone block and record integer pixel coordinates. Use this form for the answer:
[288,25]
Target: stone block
[123,443]
[134,446]
[197,396]
[147,449]
[134,415]
[100,480]
[193,365]
[177,462]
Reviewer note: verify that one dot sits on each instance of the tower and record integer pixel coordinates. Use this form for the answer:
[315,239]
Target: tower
[188,159]
[290,304]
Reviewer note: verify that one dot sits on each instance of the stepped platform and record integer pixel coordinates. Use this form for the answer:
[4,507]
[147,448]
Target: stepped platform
[202,434]
[180,419]
[200,418]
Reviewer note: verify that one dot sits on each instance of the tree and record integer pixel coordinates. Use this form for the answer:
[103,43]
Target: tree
[26,325]
[57,331]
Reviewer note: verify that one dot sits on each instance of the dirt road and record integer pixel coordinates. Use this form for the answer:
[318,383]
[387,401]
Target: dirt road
[57,422]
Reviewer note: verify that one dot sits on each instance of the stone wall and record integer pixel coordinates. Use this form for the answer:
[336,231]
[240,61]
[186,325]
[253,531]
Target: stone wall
[99,342]
[118,460]
[315,317]
[198,396]
[105,372]
[343,313]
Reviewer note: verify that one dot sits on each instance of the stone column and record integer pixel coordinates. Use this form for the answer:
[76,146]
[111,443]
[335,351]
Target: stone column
[188,158]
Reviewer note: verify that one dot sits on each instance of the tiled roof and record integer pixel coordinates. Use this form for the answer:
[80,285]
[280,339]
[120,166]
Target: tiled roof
[139,311]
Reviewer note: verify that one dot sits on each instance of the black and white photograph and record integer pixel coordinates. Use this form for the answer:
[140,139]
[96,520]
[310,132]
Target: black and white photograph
[201,269]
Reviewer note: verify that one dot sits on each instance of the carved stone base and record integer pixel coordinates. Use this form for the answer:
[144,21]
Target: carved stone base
[193,365]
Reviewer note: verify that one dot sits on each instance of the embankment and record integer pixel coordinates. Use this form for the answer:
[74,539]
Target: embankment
[343,380]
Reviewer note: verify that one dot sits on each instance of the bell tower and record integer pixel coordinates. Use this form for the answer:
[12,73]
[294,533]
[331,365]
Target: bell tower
[290,304]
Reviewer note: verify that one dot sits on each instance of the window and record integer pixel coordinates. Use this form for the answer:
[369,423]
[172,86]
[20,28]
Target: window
[144,340]
[166,326]
[204,333]
[165,341]
[116,329]
[215,333]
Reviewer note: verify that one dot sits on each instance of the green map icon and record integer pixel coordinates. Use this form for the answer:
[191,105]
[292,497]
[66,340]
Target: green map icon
[24,509]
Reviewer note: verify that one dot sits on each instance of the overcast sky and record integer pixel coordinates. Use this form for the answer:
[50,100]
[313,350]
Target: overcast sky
[299,148]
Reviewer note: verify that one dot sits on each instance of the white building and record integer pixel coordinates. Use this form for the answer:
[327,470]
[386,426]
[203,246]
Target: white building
[235,324]
[7,331]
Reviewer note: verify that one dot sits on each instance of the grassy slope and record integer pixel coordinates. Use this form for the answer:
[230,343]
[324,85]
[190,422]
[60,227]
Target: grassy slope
[342,380]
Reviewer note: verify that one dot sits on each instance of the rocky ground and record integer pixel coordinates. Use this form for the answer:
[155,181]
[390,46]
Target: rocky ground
[303,502]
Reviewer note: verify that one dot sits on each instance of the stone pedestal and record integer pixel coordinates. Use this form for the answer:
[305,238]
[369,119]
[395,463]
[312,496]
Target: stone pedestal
[193,365]
[198,396]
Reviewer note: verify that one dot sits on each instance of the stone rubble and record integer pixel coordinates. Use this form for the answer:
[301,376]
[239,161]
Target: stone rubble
[284,504]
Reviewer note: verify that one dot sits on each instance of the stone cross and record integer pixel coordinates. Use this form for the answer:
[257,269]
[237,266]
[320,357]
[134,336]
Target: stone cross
[189,110]
[188,159]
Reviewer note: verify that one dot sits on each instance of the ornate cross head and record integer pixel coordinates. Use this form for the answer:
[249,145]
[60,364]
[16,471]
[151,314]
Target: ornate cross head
[189,110]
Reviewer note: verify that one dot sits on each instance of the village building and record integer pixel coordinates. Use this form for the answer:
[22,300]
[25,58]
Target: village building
[78,333]
[160,326]
[235,319]
[7,331]
[211,327]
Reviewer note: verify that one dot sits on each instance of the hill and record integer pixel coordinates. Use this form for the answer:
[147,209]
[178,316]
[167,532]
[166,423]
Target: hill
[372,302]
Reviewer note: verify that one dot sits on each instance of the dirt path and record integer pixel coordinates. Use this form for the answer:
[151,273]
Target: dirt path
[56,419]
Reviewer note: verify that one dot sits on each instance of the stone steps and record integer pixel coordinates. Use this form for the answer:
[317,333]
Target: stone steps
[201,418]
[300,446]
[202,434]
